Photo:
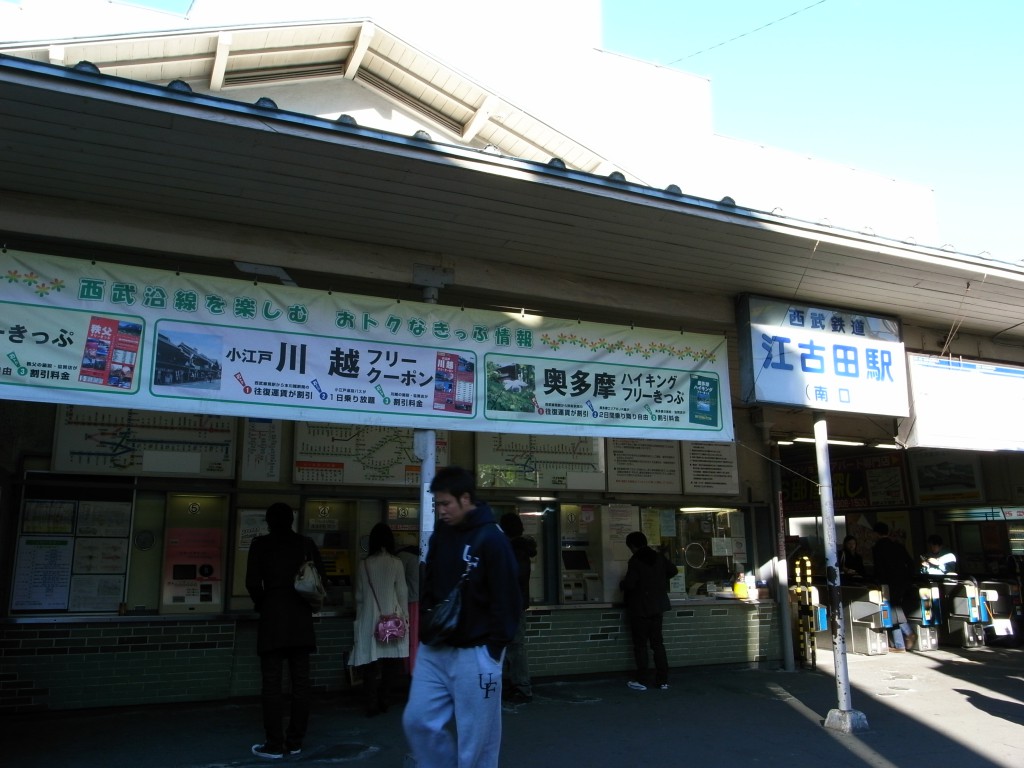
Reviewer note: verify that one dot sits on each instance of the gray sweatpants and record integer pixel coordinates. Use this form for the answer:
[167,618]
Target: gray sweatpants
[460,684]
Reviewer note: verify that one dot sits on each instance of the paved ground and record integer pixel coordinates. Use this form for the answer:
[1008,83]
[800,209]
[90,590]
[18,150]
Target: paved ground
[951,708]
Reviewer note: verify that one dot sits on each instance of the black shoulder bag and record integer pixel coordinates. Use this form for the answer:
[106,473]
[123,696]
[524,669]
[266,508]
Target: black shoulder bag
[441,621]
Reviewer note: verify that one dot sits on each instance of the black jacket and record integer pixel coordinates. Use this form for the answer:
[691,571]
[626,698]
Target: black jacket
[286,620]
[645,587]
[490,598]
[893,566]
[524,548]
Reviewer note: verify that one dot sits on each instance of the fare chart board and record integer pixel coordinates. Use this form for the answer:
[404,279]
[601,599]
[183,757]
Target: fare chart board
[329,454]
[115,441]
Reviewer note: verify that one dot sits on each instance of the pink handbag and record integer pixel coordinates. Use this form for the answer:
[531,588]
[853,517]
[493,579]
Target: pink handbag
[391,626]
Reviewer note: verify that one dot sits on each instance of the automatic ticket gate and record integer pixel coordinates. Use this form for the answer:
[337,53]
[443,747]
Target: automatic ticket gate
[924,612]
[867,618]
[1006,617]
[966,613]
[809,616]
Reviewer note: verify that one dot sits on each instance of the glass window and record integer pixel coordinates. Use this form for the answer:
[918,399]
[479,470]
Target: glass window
[708,545]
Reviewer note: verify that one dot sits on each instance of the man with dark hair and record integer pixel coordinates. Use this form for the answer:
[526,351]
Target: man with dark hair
[459,678]
[525,549]
[894,567]
[938,560]
[285,632]
[645,592]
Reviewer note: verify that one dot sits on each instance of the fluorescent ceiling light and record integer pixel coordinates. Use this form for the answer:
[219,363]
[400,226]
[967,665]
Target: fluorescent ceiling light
[830,441]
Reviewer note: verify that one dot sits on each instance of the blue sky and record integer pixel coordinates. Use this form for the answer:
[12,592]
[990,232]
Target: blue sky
[926,91]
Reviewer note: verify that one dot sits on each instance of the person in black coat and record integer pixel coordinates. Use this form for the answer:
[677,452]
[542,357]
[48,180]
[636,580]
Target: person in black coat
[285,632]
[520,690]
[895,567]
[645,590]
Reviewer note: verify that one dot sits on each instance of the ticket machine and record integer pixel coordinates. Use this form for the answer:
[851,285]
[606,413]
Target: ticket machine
[581,583]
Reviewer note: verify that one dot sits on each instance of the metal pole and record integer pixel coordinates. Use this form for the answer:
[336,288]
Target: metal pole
[424,445]
[782,568]
[845,718]
[424,441]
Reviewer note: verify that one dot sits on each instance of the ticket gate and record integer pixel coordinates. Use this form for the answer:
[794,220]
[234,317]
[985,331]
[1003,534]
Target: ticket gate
[966,613]
[924,612]
[810,617]
[1006,616]
[867,618]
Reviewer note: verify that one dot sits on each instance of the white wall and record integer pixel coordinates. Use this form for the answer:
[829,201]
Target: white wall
[653,122]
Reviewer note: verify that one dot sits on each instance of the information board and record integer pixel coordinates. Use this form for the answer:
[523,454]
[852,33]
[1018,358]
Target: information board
[644,466]
[710,468]
[42,576]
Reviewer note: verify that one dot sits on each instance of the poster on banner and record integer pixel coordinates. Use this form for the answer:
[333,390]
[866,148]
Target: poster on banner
[103,334]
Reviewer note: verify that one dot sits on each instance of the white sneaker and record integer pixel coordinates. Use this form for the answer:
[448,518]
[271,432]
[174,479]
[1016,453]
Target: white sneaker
[636,686]
[664,686]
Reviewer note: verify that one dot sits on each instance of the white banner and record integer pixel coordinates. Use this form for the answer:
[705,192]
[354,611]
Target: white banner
[107,334]
[965,404]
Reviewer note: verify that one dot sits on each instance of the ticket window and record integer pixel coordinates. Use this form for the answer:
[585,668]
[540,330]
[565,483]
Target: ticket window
[538,524]
[331,524]
[709,546]
[661,527]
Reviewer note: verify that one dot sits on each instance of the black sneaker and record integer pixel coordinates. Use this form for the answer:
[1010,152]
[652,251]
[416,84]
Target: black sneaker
[518,697]
[293,749]
[267,751]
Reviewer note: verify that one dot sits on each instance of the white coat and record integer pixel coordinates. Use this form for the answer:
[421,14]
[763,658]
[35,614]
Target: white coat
[388,575]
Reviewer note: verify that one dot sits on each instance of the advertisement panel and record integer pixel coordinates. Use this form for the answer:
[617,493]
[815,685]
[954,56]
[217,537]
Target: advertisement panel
[90,333]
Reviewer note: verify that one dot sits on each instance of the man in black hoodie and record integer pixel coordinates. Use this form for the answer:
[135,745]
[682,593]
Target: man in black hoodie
[525,549]
[645,590]
[459,679]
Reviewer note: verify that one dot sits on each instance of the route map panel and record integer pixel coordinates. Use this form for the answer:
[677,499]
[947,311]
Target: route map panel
[329,454]
[116,441]
[539,461]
